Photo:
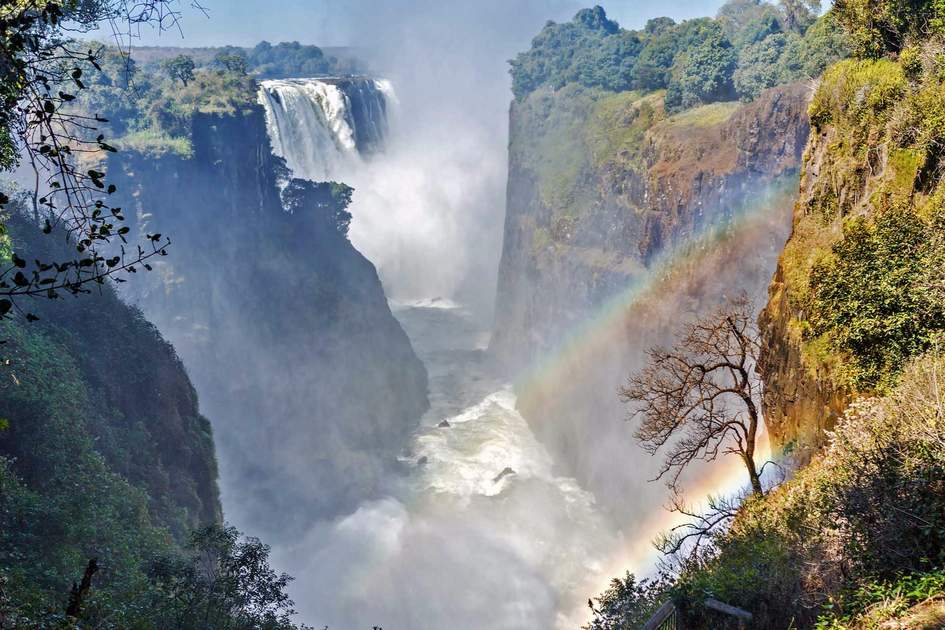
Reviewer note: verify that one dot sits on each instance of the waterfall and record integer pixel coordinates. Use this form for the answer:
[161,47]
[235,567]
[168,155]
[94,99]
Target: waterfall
[325,126]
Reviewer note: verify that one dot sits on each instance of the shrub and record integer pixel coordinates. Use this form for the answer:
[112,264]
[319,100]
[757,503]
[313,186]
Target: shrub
[628,603]
[878,27]
[869,297]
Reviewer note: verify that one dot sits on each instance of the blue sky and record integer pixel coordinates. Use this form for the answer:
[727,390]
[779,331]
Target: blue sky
[336,22]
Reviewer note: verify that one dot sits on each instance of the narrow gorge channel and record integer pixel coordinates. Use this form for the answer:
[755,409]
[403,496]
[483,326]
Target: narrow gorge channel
[477,495]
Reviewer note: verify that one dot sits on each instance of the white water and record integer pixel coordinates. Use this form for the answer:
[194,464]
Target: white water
[420,191]
[479,532]
[456,544]
[314,123]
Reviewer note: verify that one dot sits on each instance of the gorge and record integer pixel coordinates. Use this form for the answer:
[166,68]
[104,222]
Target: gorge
[389,336]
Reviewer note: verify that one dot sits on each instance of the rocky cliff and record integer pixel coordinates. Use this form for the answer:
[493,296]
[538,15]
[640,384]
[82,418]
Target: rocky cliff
[857,291]
[284,326]
[611,205]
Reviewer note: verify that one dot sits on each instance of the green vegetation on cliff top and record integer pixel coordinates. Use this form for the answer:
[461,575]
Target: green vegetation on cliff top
[751,46]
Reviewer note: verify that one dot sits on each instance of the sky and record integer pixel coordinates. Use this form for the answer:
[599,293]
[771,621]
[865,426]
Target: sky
[330,23]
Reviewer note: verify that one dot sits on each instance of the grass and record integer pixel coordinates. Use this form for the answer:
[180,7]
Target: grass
[156,144]
[705,116]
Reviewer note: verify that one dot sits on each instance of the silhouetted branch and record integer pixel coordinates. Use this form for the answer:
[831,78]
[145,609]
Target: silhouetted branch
[701,399]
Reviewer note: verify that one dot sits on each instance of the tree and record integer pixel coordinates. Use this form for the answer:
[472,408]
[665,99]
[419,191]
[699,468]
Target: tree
[628,602]
[760,67]
[231,61]
[222,582]
[180,68]
[701,399]
[799,14]
[43,69]
[704,72]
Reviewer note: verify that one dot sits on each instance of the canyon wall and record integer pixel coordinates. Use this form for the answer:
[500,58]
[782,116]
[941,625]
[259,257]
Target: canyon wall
[310,381]
[623,222]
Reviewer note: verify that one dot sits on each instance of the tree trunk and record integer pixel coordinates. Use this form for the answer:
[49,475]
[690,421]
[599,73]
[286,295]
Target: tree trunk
[753,474]
[79,591]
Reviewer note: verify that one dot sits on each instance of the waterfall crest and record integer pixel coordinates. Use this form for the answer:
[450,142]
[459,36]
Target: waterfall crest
[325,126]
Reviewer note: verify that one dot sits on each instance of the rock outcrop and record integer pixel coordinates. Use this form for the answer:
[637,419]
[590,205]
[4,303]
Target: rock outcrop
[311,383]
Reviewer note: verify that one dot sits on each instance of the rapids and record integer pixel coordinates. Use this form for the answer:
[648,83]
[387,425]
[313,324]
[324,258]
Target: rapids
[524,548]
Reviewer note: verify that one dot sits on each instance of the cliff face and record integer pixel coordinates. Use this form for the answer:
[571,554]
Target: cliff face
[857,290]
[802,401]
[310,381]
[621,222]
[599,186]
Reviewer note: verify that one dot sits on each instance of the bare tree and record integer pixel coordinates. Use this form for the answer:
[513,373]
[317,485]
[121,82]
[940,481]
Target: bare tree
[701,399]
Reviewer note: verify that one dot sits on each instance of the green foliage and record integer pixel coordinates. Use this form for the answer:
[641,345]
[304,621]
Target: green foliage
[878,27]
[180,68]
[869,296]
[698,60]
[859,94]
[155,117]
[220,581]
[628,603]
[704,74]
[881,599]
[759,67]
[328,200]
[865,291]
[235,62]
[590,50]
[292,59]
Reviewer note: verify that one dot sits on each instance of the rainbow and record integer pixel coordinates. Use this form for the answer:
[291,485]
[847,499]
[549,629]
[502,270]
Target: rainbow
[600,334]
[605,327]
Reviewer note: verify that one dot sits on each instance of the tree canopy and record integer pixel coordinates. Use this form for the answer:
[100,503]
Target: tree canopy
[749,46]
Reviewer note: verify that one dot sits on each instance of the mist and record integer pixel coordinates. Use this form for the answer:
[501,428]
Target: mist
[429,212]
[505,505]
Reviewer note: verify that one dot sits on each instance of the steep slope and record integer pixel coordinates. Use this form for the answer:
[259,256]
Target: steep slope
[311,382]
[103,451]
[621,219]
[131,396]
[858,288]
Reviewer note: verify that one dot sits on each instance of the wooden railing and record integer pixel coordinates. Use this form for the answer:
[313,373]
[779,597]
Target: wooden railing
[667,618]
[664,618]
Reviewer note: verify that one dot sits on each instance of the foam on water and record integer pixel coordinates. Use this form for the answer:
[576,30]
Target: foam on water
[523,547]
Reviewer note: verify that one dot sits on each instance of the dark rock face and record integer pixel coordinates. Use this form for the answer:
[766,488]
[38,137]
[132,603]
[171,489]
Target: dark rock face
[311,383]
[646,187]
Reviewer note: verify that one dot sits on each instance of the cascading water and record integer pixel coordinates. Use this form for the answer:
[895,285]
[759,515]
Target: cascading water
[479,496]
[323,127]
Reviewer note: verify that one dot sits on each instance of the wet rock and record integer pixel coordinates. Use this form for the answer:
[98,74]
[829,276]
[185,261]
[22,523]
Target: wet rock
[502,475]
[444,425]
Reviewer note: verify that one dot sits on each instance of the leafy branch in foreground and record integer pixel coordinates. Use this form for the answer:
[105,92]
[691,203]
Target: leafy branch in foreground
[42,72]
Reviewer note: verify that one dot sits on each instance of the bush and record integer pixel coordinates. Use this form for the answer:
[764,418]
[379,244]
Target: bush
[869,512]
[869,296]
[878,27]
[628,603]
